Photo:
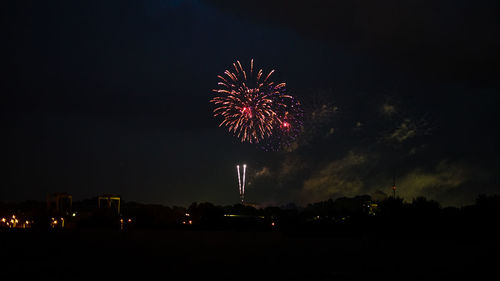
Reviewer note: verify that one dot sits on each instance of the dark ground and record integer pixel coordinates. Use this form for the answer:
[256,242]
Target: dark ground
[164,254]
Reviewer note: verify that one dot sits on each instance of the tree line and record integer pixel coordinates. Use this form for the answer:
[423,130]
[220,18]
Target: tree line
[353,215]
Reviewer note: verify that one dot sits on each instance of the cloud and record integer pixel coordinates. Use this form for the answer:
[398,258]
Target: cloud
[264,172]
[406,130]
[335,179]
[388,109]
[290,165]
[361,173]
[324,112]
[330,132]
[445,177]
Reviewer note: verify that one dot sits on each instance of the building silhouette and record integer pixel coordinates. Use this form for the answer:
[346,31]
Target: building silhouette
[109,201]
[59,203]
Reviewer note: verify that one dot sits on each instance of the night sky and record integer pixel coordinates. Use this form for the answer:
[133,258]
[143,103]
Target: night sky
[113,97]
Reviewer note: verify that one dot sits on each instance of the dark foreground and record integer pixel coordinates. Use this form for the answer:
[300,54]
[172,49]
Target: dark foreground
[237,255]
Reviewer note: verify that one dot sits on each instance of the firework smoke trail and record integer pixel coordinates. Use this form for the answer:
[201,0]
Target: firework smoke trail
[241,185]
[251,105]
[239,180]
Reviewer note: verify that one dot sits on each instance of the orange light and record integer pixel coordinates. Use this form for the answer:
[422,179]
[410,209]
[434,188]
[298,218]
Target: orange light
[129,220]
[190,222]
[272,224]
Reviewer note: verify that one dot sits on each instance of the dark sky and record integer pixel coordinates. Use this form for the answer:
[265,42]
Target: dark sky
[113,97]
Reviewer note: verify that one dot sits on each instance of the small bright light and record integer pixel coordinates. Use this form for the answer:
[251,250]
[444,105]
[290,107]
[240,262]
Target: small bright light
[74,214]
[187,214]
[129,220]
[190,222]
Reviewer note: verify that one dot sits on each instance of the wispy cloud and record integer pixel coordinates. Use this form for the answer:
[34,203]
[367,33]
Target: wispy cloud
[264,172]
[388,109]
[335,179]
[445,177]
[348,176]
[406,130]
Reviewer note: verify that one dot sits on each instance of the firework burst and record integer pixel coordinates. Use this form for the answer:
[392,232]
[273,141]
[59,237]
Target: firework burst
[252,106]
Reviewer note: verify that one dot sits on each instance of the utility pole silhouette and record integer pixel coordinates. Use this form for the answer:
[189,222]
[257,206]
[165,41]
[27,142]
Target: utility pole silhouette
[394,186]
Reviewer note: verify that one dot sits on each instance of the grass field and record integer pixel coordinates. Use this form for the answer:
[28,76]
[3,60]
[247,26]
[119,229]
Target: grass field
[165,254]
